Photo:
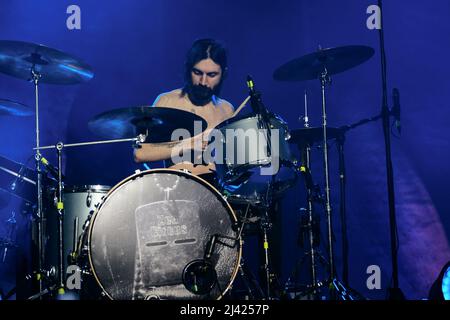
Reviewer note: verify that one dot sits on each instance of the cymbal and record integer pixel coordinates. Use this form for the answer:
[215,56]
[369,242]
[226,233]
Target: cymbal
[311,136]
[11,108]
[129,122]
[335,60]
[17,59]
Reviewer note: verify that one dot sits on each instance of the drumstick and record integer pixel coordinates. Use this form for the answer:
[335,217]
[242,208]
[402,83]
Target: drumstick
[241,106]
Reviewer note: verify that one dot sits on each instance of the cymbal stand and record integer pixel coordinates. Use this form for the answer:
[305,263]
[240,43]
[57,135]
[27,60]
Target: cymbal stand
[310,226]
[309,191]
[335,286]
[306,170]
[60,208]
[342,204]
[324,80]
[312,195]
[35,76]
[138,140]
[266,225]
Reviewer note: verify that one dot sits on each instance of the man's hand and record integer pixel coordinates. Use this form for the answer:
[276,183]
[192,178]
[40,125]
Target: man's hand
[200,142]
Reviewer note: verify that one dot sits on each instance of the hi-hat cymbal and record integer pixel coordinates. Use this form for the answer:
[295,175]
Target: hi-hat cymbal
[11,108]
[159,122]
[311,136]
[335,60]
[18,58]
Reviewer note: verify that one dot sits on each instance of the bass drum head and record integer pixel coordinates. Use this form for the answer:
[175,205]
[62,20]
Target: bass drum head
[150,235]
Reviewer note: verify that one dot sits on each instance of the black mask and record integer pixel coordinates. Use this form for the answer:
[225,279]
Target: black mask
[199,95]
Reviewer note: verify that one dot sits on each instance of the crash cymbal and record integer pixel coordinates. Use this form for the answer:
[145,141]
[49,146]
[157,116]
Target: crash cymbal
[129,122]
[335,60]
[55,67]
[11,108]
[311,136]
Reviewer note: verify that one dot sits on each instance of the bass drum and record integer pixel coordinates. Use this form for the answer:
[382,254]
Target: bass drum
[164,234]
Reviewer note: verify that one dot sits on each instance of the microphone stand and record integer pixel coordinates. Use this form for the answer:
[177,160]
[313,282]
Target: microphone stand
[264,123]
[342,131]
[395,292]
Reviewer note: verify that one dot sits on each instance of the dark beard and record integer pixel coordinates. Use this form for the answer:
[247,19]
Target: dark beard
[199,95]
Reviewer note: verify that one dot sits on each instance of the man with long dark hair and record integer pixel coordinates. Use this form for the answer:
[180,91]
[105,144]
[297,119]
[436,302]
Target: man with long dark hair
[205,69]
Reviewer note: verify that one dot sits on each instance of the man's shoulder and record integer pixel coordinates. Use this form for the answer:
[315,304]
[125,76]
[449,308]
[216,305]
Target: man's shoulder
[226,105]
[166,99]
[176,93]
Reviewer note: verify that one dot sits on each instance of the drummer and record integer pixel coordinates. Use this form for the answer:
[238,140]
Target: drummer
[204,73]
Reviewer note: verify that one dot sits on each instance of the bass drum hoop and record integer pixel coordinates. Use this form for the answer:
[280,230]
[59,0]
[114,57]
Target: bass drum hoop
[100,188]
[172,171]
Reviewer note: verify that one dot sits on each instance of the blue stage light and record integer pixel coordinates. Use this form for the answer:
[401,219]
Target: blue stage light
[440,290]
[446,284]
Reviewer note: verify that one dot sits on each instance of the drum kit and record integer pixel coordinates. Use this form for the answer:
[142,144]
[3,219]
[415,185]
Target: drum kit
[164,233]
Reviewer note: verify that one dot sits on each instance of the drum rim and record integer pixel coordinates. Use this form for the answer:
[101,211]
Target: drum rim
[229,121]
[161,170]
[86,188]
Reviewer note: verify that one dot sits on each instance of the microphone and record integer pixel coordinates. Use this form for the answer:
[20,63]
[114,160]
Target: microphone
[250,84]
[255,103]
[260,109]
[50,168]
[395,111]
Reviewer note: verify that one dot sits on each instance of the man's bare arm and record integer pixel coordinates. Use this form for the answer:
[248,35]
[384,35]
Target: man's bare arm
[148,152]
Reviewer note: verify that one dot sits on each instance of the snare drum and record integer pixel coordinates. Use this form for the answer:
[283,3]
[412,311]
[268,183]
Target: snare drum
[163,234]
[242,166]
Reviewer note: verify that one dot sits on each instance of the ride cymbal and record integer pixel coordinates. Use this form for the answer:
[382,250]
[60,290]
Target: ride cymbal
[334,60]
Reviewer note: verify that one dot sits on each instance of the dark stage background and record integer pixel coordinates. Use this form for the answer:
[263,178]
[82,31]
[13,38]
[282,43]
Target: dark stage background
[136,49]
